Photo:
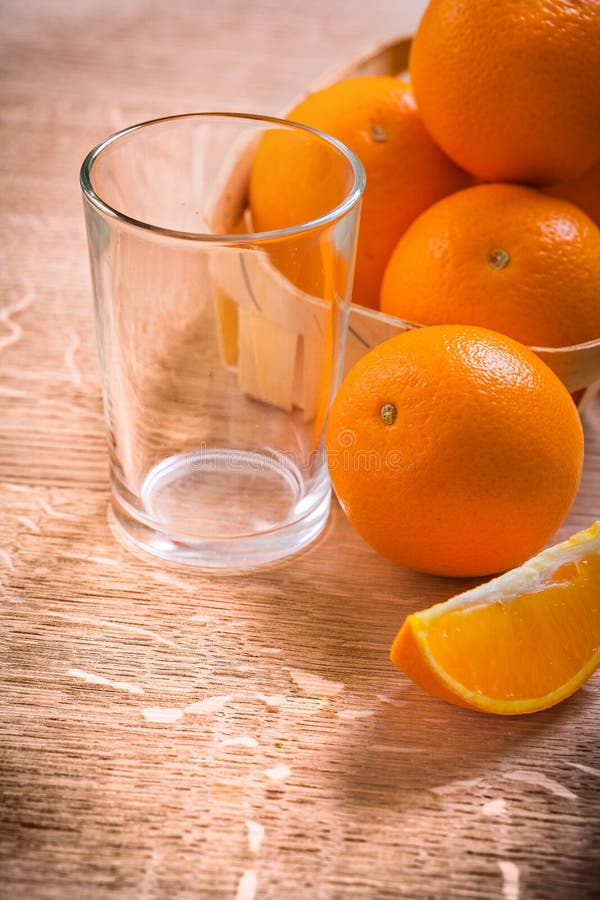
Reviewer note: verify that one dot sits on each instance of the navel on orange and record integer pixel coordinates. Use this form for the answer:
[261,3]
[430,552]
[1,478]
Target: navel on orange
[518,644]
[376,117]
[509,89]
[454,450]
[504,257]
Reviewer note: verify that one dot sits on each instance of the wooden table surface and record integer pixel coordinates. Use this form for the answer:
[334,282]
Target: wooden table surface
[171,734]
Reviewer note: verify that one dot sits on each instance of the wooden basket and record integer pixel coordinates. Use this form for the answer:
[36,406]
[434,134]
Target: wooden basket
[259,335]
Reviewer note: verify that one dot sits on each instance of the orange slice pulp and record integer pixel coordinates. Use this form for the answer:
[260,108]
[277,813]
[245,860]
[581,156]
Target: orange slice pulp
[517,644]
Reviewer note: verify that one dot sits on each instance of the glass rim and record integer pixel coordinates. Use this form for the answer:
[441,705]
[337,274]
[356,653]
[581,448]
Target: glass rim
[349,201]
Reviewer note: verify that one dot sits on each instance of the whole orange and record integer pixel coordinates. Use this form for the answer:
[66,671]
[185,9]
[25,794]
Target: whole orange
[584,192]
[502,256]
[406,172]
[509,88]
[454,450]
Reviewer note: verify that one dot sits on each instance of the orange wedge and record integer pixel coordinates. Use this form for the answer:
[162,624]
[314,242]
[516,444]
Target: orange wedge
[517,644]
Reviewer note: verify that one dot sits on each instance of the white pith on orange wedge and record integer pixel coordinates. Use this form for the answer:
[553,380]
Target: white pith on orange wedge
[517,644]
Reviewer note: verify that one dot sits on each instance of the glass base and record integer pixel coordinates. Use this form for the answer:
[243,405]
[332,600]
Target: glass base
[223,508]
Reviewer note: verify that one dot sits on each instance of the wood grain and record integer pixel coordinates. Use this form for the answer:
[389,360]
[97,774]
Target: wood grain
[117,779]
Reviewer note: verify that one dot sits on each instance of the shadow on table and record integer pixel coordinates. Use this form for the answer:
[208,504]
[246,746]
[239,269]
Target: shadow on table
[428,744]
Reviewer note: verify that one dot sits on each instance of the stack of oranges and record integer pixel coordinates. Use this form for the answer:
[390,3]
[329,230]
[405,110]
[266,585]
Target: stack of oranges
[498,92]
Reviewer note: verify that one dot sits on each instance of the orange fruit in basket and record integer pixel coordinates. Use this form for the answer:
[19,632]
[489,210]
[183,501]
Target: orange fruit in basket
[509,89]
[518,644]
[584,192]
[454,450]
[504,257]
[406,172]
